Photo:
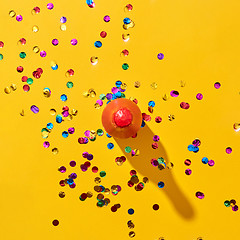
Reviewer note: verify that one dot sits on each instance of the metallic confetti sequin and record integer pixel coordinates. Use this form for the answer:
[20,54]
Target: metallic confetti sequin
[35,28]
[34,109]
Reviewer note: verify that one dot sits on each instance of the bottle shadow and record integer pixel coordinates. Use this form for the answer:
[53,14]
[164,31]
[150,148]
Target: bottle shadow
[142,164]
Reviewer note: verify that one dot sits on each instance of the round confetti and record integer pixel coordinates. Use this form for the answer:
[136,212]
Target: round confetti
[106,18]
[46,144]
[50,6]
[98,44]
[161,184]
[55,222]
[63,27]
[235,208]
[228,150]
[217,85]
[20,69]
[151,104]
[43,54]
[62,169]
[55,42]
[174,93]
[12,13]
[125,66]
[35,29]
[26,88]
[22,41]
[63,19]
[102,174]
[29,81]
[36,49]
[110,146]
[158,119]
[19,18]
[227,203]
[155,207]
[188,171]
[160,56]
[211,163]
[72,163]
[69,84]
[131,234]
[22,55]
[129,7]
[199,96]
[184,105]
[130,211]
[187,162]
[65,134]
[199,195]
[64,97]
[103,34]
[74,41]
[204,160]
[34,109]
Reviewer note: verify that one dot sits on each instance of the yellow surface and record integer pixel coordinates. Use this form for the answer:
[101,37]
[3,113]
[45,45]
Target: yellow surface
[200,41]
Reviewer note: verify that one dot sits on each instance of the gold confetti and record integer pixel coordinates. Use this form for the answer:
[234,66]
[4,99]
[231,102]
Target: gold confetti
[89,194]
[97,106]
[52,111]
[131,24]
[182,83]
[12,14]
[61,194]
[94,60]
[130,224]
[165,97]
[55,151]
[92,93]
[137,84]
[132,234]
[170,165]
[125,26]
[86,94]
[22,113]
[145,180]
[35,28]
[7,90]
[153,85]
[69,117]
[46,92]
[125,37]
[236,126]
[13,87]
[97,180]
[45,133]
[74,112]
[171,117]
[63,27]
[124,86]
[36,49]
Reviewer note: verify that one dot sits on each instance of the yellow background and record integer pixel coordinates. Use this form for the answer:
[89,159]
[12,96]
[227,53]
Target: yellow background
[200,41]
